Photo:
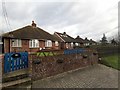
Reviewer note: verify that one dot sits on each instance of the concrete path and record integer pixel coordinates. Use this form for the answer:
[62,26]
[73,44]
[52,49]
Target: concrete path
[97,76]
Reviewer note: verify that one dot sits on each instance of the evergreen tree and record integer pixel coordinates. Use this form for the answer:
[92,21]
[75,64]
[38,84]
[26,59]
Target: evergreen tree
[104,40]
[113,42]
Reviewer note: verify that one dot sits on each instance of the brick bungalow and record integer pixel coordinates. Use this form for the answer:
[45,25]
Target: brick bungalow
[67,42]
[79,42]
[29,38]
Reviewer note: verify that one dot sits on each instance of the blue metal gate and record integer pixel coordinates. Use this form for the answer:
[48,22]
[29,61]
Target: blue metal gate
[15,61]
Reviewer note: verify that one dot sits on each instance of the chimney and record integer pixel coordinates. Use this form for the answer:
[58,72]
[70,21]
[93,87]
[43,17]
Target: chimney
[64,33]
[33,24]
[78,37]
[86,38]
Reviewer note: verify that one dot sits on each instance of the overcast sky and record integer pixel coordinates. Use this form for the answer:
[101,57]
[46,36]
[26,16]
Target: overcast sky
[86,18]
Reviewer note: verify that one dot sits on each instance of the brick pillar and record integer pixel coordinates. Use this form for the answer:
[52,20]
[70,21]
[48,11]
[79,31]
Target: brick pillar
[30,65]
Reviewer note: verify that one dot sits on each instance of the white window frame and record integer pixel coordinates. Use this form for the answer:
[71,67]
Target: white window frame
[71,44]
[67,45]
[48,43]
[34,43]
[56,43]
[76,44]
[86,44]
[16,42]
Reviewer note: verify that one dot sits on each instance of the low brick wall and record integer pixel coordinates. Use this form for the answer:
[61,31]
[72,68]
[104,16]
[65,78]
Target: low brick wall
[42,67]
[2,63]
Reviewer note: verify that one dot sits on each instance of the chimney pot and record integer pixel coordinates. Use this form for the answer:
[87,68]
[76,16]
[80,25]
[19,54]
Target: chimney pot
[64,33]
[33,24]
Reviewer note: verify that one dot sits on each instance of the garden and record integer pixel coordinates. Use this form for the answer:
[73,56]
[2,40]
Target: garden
[111,61]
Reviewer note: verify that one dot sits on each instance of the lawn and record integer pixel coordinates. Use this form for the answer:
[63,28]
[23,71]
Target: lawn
[111,61]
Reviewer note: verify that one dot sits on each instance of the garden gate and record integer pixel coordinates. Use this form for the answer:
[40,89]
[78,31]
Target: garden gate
[15,61]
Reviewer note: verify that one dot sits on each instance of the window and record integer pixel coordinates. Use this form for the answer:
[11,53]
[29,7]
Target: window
[86,44]
[56,43]
[48,43]
[71,44]
[66,45]
[76,44]
[34,43]
[16,43]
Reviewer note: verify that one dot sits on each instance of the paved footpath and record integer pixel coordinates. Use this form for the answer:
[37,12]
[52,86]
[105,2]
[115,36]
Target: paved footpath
[97,76]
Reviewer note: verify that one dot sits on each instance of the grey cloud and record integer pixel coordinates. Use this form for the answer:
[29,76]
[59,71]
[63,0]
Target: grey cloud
[52,13]
[62,14]
[82,18]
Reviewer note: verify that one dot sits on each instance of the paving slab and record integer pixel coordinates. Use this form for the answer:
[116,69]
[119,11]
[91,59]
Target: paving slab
[96,76]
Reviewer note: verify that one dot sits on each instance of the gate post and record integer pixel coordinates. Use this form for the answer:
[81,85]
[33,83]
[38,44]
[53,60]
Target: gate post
[30,67]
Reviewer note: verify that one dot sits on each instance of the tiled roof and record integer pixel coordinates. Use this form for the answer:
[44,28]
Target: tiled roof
[92,41]
[86,40]
[79,40]
[65,37]
[29,32]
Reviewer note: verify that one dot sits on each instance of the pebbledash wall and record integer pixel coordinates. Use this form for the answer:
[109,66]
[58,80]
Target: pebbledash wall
[41,67]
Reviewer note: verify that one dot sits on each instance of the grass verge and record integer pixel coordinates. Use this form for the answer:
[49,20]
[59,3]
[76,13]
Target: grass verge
[111,61]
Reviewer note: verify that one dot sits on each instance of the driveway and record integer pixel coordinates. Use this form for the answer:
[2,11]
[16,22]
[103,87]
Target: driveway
[96,76]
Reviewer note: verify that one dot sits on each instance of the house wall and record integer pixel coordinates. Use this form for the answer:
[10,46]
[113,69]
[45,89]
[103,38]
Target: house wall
[25,46]
[68,46]
[81,44]
[54,46]
[6,45]
[65,45]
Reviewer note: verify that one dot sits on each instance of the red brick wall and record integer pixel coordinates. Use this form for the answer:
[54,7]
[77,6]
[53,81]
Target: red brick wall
[6,45]
[54,46]
[1,63]
[49,65]
[42,44]
[68,45]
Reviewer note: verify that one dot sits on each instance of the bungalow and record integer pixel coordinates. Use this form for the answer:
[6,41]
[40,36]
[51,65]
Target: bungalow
[67,42]
[29,38]
[86,42]
[79,42]
[92,42]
